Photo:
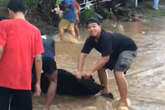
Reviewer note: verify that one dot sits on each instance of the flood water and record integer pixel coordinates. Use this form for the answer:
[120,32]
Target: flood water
[146,79]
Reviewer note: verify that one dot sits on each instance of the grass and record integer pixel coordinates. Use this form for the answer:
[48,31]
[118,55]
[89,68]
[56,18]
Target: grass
[148,12]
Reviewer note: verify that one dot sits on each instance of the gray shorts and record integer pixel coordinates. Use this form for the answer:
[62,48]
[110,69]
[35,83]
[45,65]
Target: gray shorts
[124,60]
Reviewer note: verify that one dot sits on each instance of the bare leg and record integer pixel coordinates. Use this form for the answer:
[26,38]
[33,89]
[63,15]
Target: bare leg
[61,33]
[103,80]
[72,32]
[76,28]
[122,87]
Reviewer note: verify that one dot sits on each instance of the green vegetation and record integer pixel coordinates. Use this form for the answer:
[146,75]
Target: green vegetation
[104,12]
[31,3]
[87,13]
[123,11]
[148,12]
[3,2]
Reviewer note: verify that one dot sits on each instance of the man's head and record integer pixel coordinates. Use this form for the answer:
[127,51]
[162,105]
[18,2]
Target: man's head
[94,28]
[16,6]
[49,67]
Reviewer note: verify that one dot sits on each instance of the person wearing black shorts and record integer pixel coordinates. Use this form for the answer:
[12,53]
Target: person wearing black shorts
[63,82]
[117,52]
[60,81]
[20,41]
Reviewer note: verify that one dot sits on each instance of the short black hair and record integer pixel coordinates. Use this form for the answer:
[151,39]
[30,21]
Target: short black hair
[17,6]
[92,20]
[48,65]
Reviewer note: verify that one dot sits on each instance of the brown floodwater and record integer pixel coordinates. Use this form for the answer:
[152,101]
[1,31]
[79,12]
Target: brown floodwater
[146,77]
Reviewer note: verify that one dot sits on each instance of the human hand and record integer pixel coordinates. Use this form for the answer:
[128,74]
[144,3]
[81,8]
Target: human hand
[88,74]
[37,90]
[78,75]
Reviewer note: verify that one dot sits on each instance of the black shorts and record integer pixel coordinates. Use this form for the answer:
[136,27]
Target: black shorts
[17,99]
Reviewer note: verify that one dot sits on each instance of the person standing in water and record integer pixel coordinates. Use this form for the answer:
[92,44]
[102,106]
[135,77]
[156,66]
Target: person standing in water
[117,53]
[20,41]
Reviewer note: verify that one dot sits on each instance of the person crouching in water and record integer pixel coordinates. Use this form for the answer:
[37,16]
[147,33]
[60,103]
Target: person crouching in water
[61,81]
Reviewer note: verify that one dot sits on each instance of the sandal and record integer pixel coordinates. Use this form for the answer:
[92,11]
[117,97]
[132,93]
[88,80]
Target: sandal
[108,95]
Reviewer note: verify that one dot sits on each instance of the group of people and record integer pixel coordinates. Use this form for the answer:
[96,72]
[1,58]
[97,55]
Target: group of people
[61,81]
[21,46]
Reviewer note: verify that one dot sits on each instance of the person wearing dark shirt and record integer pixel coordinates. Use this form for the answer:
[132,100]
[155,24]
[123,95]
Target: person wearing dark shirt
[60,81]
[117,52]
[49,46]
[63,82]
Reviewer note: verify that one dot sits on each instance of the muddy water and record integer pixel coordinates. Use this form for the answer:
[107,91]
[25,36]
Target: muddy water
[146,77]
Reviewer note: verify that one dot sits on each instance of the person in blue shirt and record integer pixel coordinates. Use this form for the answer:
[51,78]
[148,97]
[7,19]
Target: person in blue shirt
[49,46]
[69,18]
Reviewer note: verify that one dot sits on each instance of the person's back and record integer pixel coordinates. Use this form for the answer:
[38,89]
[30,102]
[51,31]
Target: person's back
[20,41]
[19,51]
[49,46]
[69,12]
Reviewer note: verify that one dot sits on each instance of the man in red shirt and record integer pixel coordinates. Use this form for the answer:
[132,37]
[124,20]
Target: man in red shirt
[20,42]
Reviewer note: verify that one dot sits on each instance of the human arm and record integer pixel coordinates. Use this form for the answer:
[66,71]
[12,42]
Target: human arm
[1,52]
[99,64]
[38,67]
[3,38]
[88,45]
[80,64]
[37,51]
[50,94]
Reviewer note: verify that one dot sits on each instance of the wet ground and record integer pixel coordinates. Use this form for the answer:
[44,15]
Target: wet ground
[146,77]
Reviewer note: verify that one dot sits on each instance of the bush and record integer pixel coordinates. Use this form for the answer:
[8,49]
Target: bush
[87,13]
[31,3]
[105,13]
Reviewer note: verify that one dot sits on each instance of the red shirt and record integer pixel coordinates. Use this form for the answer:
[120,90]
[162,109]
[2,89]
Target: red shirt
[21,41]
[77,7]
